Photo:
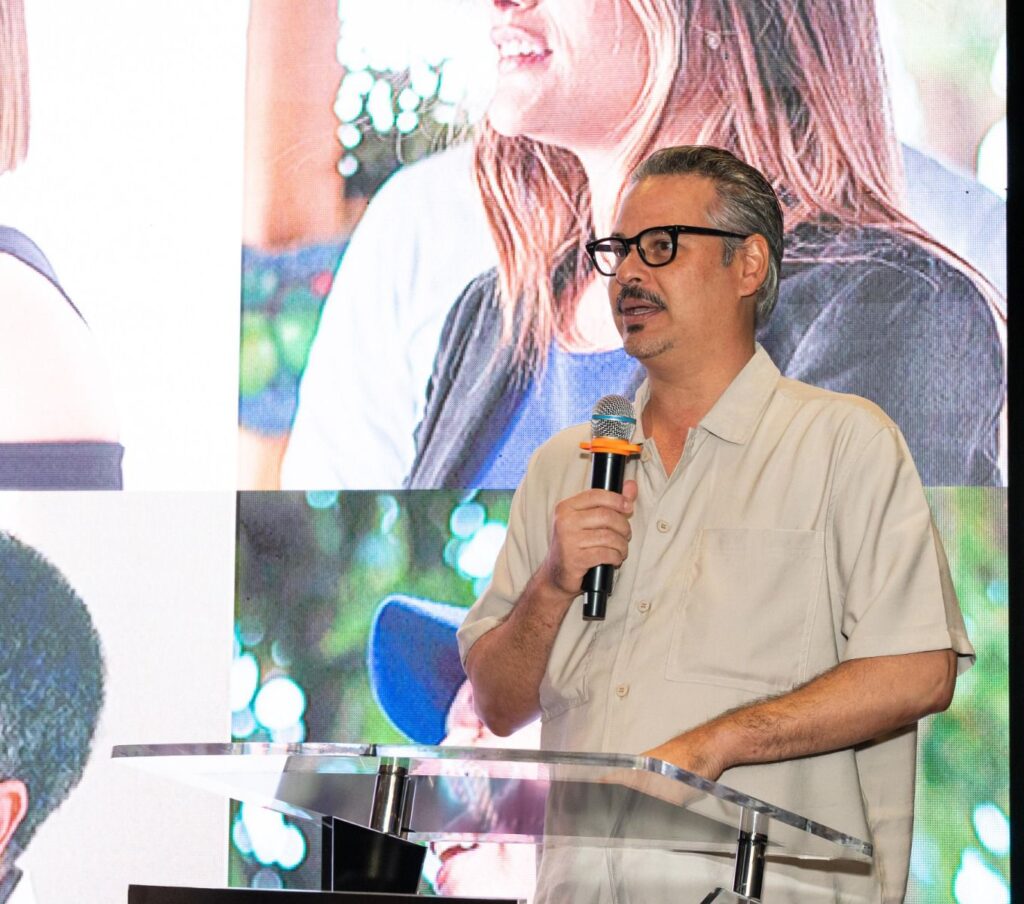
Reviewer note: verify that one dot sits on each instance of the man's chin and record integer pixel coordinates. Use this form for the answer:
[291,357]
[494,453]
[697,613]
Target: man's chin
[644,348]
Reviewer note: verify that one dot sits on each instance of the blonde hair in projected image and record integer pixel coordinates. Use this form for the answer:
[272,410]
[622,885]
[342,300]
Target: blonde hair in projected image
[796,88]
[14,100]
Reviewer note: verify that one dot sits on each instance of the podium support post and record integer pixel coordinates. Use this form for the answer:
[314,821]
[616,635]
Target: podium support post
[377,857]
[750,847]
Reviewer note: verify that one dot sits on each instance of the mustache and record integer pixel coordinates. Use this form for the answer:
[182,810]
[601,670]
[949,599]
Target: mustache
[639,294]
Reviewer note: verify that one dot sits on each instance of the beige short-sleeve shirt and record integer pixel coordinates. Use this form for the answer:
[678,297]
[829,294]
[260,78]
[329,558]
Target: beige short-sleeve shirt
[792,535]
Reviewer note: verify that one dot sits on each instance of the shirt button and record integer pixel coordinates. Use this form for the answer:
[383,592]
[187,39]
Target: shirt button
[622,690]
[643,605]
[645,454]
[663,526]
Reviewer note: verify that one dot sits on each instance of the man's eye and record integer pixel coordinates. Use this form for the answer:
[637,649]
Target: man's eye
[615,249]
[658,247]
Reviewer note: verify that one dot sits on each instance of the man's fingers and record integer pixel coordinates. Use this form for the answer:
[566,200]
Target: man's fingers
[604,538]
[601,499]
[594,520]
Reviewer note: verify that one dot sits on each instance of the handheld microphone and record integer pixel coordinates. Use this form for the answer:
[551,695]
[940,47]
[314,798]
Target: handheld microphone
[611,426]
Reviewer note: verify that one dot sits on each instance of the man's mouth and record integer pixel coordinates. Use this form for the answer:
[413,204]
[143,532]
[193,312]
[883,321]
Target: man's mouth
[635,304]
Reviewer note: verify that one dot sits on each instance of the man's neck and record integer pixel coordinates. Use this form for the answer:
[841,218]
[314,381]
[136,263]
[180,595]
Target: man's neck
[682,395]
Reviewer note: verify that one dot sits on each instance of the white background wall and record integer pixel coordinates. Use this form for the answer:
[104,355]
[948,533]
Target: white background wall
[133,189]
[156,571]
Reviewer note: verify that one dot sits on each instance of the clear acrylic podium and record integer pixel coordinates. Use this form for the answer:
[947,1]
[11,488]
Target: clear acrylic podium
[378,804]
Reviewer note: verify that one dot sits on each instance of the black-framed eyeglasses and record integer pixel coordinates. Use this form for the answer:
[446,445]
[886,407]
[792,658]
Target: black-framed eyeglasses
[656,246]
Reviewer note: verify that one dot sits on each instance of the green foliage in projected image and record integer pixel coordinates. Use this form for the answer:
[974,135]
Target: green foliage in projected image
[311,571]
[961,827]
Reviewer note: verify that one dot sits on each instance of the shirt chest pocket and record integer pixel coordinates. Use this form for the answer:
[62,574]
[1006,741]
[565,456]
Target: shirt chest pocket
[747,609]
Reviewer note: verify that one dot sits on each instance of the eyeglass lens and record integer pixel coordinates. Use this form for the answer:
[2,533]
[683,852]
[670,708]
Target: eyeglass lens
[656,248]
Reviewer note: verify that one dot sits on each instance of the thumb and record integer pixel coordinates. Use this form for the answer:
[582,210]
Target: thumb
[629,490]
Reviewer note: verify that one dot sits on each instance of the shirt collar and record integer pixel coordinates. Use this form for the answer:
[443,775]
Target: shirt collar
[738,410]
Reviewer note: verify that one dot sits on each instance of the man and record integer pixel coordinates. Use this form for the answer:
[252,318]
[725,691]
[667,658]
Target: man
[51,691]
[782,614]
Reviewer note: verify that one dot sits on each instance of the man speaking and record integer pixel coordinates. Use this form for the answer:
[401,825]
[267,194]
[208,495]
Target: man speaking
[782,612]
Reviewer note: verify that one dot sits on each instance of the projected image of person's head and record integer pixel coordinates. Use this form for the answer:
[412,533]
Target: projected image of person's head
[51,692]
[548,64]
[871,301]
[871,304]
[58,426]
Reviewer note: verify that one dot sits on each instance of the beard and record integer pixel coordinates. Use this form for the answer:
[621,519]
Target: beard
[643,348]
[636,344]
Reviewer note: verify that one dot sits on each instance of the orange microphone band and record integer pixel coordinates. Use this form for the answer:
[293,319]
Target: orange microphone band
[610,444]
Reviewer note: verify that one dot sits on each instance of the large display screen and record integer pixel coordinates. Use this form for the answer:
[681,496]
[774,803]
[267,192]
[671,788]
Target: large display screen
[419,314]
[364,650]
[319,433]
[465,324]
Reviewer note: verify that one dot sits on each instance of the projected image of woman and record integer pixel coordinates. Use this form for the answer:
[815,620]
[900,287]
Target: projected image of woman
[869,303]
[58,429]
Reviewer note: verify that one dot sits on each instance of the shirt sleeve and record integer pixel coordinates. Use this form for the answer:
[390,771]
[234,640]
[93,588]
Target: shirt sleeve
[357,400]
[526,541]
[886,563]
[512,570]
[423,237]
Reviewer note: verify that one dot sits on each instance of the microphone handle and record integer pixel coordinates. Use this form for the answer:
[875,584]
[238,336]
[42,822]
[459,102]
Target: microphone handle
[609,470]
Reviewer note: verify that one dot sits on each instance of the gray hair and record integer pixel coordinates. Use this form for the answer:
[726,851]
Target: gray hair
[747,204]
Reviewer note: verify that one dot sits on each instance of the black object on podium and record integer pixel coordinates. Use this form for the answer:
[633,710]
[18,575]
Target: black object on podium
[355,858]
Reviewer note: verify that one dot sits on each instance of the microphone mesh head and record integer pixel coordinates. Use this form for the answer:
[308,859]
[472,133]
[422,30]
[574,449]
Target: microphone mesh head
[613,418]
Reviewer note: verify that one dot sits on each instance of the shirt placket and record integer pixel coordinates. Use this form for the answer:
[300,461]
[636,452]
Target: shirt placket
[663,523]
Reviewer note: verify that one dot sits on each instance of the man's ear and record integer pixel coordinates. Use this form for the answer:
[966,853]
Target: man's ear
[13,807]
[754,257]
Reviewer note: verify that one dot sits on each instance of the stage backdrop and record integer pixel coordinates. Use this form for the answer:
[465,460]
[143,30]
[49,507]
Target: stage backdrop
[339,636]
[131,186]
[448,125]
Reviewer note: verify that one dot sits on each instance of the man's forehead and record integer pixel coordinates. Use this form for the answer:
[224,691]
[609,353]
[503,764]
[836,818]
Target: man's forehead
[685,199]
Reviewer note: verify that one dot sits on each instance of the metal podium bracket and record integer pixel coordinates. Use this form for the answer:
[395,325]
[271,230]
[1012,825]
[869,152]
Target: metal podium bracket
[392,799]
[376,857]
[750,848]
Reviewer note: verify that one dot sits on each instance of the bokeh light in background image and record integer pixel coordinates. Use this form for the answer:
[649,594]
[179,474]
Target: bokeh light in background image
[312,569]
[411,88]
[408,90]
[993,150]
[946,66]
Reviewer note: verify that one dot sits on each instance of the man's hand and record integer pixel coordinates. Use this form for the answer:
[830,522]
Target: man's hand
[856,701]
[507,664]
[691,751]
[591,528]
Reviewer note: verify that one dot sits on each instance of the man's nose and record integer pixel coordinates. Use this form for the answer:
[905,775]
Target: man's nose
[631,268]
